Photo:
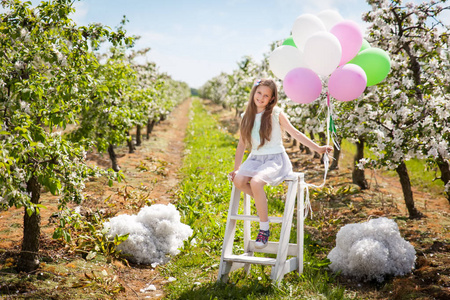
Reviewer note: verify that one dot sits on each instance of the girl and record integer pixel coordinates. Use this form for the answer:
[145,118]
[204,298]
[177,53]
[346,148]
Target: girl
[261,130]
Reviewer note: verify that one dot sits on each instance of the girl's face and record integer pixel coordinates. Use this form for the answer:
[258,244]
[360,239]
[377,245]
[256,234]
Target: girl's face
[262,97]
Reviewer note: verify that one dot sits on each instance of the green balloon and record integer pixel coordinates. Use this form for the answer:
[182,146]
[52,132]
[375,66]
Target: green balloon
[290,42]
[365,45]
[375,63]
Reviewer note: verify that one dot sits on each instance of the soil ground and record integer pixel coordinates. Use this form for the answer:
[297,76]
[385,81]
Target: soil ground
[152,176]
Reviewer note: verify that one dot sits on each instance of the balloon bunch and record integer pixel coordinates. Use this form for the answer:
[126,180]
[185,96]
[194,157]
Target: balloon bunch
[326,44]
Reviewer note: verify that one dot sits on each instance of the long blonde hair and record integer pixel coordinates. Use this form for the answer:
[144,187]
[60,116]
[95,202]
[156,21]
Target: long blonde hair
[248,120]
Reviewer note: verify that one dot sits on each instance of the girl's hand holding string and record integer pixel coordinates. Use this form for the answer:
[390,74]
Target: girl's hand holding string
[325,149]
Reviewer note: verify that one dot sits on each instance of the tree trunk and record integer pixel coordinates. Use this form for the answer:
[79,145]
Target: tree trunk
[402,172]
[336,155]
[29,260]
[130,143]
[138,135]
[358,175]
[311,136]
[322,138]
[150,125]
[301,147]
[445,172]
[307,150]
[113,157]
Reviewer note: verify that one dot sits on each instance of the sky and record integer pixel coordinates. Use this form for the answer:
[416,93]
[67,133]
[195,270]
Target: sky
[195,40]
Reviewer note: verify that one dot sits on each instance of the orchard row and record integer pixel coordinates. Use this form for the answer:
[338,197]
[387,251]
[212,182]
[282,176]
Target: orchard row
[60,98]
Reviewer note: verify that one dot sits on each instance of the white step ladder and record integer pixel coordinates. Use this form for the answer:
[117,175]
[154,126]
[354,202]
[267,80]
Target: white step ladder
[280,265]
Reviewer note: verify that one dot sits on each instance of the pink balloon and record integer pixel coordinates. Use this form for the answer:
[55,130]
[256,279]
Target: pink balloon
[347,82]
[302,85]
[350,36]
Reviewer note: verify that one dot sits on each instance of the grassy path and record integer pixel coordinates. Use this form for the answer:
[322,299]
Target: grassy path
[203,201]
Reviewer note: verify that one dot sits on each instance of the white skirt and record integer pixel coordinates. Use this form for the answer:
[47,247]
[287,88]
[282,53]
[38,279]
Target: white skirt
[270,168]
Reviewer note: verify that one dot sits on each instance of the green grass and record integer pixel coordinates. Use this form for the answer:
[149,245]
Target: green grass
[203,200]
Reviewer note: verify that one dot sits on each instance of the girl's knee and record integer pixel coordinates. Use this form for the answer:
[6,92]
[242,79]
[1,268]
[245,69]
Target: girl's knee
[239,181]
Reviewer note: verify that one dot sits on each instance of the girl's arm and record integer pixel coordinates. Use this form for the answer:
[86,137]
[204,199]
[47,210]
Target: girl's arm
[238,157]
[286,125]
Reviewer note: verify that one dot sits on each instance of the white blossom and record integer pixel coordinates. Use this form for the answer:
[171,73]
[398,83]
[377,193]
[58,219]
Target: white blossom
[19,65]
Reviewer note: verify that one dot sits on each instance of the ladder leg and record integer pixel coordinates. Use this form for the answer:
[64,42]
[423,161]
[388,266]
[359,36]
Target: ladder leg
[230,230]
[300,221]
[224,271]
[279,270]
[247,232]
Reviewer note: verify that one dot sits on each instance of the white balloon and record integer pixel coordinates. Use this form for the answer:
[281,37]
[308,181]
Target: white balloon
[330,18]
[285,58]
[322,53]
[304,27]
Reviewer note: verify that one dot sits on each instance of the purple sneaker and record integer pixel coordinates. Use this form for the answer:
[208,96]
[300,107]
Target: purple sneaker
[262,239]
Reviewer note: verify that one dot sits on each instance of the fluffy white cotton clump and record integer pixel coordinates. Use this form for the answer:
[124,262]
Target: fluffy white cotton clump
[372,250]
[154,233]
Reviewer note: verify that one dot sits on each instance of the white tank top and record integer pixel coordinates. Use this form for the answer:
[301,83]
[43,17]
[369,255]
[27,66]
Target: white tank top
[275,145]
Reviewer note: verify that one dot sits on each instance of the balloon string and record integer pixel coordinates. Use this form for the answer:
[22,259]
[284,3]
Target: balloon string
[307,207]
[330,125]
[328,118]
[334,141]
[326,161]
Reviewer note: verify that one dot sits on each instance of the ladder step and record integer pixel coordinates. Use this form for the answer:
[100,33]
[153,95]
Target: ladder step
[272,248]
[293,176]
[255,218]
[251,259]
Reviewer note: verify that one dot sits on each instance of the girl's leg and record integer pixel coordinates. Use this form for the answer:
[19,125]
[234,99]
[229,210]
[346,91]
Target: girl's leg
[259,195]
[242,183]
[257,188]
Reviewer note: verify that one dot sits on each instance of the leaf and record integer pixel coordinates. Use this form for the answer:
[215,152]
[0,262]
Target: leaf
[91,227]
[108,198]
[57,234]
[119,239]
[54,186]
[30,211]
[41,206]
[66,235]
[26,136]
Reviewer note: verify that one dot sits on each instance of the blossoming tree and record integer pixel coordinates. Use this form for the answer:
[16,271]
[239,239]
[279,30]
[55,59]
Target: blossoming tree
[240,82]
[406,116]
[45,78]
